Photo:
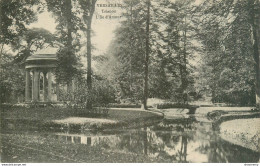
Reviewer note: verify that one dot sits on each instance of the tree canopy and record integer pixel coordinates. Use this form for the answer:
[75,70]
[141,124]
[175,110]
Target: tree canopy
[15,15]
[175,50]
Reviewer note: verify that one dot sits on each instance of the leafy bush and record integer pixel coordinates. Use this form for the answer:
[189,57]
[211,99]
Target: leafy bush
[12,83]
[101,95]
[237,98]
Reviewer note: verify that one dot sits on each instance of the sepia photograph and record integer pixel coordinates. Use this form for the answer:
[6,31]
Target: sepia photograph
[129,81]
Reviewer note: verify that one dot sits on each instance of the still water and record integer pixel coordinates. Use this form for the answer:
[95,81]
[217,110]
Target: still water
[184,139]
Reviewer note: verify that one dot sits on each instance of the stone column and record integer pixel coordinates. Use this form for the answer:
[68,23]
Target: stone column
[36,85]
[32,84]
[49,86]
[27,85]
[44,86]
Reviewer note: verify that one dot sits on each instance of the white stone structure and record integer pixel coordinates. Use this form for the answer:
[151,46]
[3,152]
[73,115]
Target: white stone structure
[39,69]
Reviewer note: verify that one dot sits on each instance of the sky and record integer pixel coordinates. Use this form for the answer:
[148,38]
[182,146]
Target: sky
[103,28]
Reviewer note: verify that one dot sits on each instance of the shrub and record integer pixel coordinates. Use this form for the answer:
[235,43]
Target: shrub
[101,95]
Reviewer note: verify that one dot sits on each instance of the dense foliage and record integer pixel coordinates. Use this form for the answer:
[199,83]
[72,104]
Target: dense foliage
[203,50]
[11,80]
[67,26]
[228,54]
[170,50]
[15,15]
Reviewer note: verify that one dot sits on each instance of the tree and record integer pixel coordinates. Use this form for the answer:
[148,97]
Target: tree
[68,26]
[146,61]
[211,36]
[141,41]
[128,50]
[160,85]
[68,15]
[177,46]
[15,15]
[88,8]
[254,21]
[12,81]
[224,32]
[31,40]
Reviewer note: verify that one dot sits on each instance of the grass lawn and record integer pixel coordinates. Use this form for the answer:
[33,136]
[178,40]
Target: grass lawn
[61,113]
[78,117]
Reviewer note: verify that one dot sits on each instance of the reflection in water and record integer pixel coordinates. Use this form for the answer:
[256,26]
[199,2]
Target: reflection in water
[181,140]
[183,152]
[87,140]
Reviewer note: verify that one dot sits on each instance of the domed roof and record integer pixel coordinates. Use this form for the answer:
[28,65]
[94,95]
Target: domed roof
[44,58]
[48,53]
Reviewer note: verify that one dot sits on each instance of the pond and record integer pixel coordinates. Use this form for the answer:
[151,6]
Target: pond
[184,139]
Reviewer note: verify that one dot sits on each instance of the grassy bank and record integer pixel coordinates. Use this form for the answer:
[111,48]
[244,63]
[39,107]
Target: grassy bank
[243,132]
[77,118]
[220,116]
[238,127]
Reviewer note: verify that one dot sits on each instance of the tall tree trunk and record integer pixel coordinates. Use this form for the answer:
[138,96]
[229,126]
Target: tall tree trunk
[131,54]
[70,53]
[89,80]
[184,77]
[255,20]
[69,23]
[89,72]
[181,67]
[1,51]
[258,64]
[146,62]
